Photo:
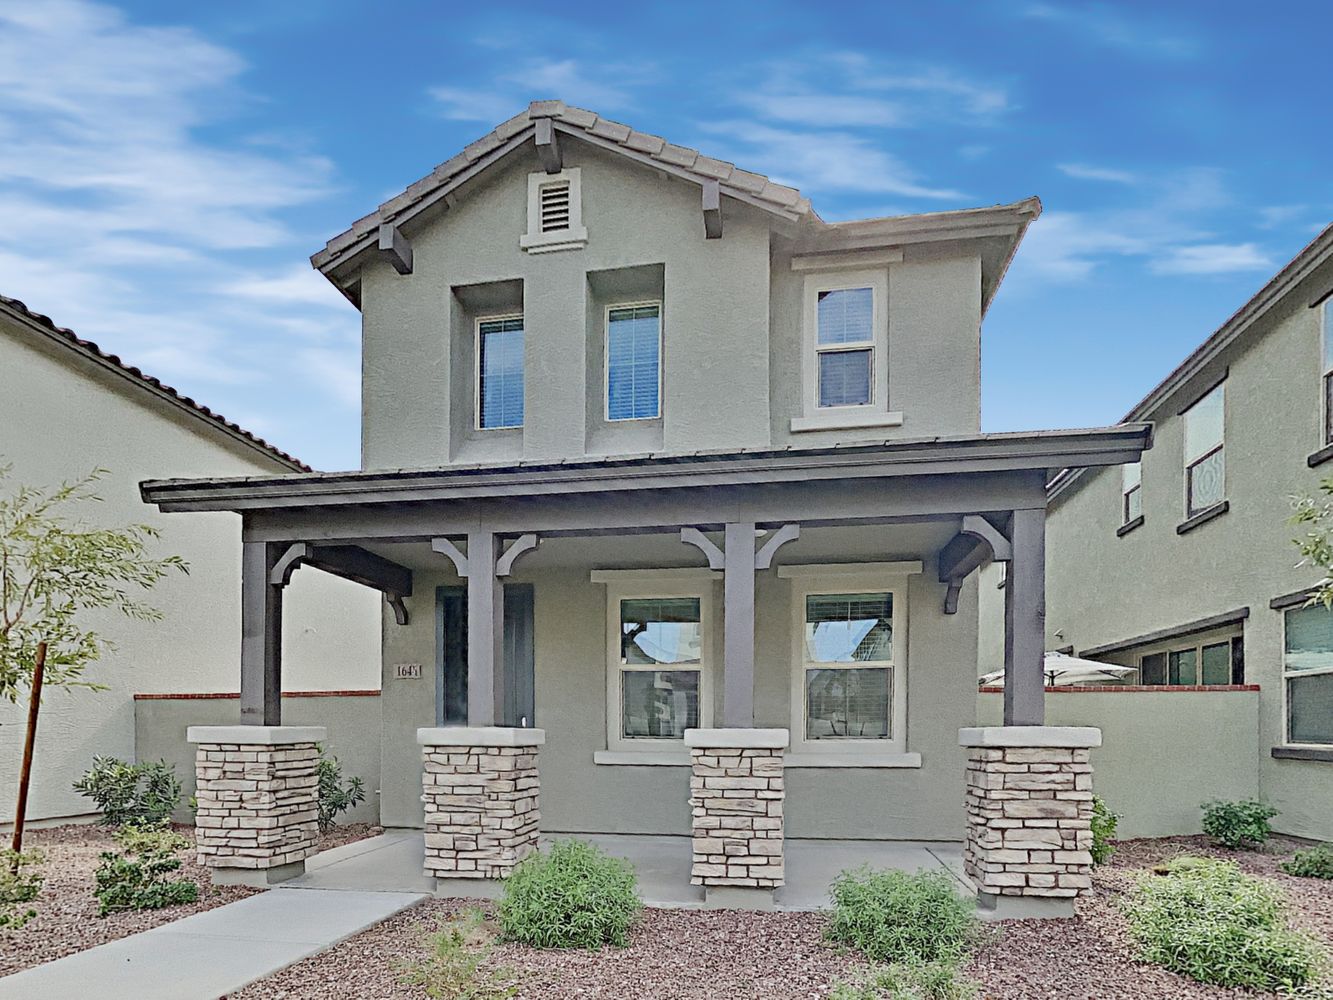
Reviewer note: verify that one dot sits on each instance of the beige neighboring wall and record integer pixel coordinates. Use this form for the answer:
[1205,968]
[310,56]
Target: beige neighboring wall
[62,416]
[1104,589]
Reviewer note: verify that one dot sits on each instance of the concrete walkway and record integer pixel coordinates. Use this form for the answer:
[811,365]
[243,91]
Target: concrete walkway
[210,954]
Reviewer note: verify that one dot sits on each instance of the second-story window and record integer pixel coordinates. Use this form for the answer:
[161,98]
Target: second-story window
[500,372]
[1205,478]
[845,347]
[1131,489]
[634,361]
[1326,320]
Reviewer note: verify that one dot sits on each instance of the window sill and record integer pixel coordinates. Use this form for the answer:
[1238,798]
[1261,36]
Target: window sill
[850,419]
[1129,526]
[1203,517]
[566,239]
[642,758]
[1324,754]
[850,758]
[1320,457]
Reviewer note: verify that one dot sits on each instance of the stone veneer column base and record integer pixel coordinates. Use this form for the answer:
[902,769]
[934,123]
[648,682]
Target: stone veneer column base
[736,800]
[256,790]
[1029,819]
[480,787]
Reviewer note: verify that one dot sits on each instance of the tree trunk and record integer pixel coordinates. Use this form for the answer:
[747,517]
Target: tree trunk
[25,773]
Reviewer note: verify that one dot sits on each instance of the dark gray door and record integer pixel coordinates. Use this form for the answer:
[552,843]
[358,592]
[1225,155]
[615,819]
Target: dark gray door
[451,656]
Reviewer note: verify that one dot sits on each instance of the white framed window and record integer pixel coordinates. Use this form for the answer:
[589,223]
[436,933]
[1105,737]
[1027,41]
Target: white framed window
[634,361]
[659,660]
[1187,662]
[1326,365]
[499,371]
[1131,491]
[555,212]
[849,671]
[845,370]
[1205,467]
[1307,676]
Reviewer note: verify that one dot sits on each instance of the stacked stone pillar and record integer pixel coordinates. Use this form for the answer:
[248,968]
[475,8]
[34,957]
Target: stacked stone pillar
[480,788]
[1029,818]
[256,789]
[736,803]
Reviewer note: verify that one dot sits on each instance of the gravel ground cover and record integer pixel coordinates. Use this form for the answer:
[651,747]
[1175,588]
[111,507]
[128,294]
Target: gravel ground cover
[67,919]
[722,955]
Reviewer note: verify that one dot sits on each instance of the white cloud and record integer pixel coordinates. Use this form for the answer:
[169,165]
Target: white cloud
[1142,33]
[1085,172]
[1212,258]
[604,87]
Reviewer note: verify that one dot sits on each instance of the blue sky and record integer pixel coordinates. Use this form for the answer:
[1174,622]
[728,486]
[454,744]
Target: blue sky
[166,168]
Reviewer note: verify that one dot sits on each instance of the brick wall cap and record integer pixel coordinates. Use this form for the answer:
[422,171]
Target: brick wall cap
[480,736]
[1031,736]
[256,735]
[734,739]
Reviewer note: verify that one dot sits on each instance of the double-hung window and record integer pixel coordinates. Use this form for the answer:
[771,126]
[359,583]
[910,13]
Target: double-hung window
[660,659]
[1307,675]
[500,372]
[1131,492]
[846,364]
[634,361]
[1205,478]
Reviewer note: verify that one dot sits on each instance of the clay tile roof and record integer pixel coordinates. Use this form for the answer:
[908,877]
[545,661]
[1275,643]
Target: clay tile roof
[754,188]
[74,341]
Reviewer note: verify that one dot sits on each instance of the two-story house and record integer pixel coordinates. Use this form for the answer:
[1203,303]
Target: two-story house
[1182,565]
[673,487]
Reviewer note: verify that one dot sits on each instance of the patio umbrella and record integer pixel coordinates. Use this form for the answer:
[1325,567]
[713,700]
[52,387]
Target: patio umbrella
[1063,670]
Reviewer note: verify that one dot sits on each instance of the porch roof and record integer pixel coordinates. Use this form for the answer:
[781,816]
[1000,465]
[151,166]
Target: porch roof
[940,455]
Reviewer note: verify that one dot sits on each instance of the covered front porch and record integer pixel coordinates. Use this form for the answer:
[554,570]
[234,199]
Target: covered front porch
[737,758]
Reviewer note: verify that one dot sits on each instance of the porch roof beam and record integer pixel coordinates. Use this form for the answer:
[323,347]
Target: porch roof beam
[351,562]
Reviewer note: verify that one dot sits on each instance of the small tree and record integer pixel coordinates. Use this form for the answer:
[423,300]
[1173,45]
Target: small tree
[52,568]
[1316,545]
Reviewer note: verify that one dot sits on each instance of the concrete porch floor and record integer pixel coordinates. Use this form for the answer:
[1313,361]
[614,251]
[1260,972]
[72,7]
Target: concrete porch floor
[392,862]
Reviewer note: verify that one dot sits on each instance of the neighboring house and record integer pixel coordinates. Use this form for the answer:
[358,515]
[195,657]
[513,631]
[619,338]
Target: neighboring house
[1183,566]
[649,448]
[67,408]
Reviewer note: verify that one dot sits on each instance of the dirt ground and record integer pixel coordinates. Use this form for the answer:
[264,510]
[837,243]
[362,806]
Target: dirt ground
[67,919]
[727,955]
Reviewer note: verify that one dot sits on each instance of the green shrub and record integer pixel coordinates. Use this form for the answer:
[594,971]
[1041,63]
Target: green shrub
[131,793]
[18,887]
[137,878]
[1208,921]
[572,896]
[335,797]
[1317,862]
[1103,830]
[894,916]
[1238,824]
[454,969]
[908,981]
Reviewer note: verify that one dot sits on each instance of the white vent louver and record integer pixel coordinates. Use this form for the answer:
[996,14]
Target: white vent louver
[555,207]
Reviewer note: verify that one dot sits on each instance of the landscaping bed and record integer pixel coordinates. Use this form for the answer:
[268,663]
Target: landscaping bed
[67,920]
[721,955]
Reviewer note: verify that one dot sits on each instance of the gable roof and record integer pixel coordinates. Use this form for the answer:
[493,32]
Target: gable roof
[1315,254]
[66,338]
[786,203]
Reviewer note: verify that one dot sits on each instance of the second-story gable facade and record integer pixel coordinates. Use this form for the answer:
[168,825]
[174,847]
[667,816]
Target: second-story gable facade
[584,311]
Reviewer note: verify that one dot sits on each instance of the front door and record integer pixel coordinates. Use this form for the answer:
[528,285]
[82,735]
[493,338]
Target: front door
[451,656]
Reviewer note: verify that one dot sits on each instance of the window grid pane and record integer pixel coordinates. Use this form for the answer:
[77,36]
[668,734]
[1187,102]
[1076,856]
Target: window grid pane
[1152,669]
[501,372]
[847,703]
[844,377]
[633,344]
[846,316]
[1203,425]
[1310,709]
[1133,504]
[660,630]
[658,704]
[1206,482]
[1182,666]
[849,628]
[1217,663]
[1309,639]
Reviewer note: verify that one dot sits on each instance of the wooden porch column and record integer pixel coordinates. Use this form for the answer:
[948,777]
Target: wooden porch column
[1025,621]
[738,628]
[261,635]
[485,632]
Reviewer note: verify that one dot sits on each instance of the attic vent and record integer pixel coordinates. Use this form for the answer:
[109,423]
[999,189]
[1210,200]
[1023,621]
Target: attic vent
[555,212]
[555,207]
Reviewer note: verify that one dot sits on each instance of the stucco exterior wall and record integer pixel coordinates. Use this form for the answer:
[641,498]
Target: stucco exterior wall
[60,418]
[1162,755]
[731,320]
[571,684]
[353,722]
[1102,588]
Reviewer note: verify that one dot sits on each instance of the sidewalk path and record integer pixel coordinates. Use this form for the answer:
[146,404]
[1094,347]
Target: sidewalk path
[213,953]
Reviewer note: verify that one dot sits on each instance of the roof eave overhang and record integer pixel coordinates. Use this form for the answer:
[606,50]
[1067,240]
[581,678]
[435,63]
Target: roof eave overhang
[930,456]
